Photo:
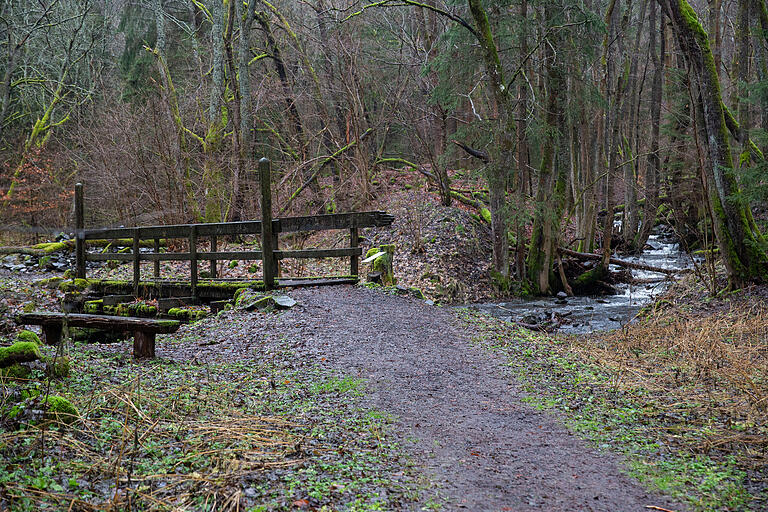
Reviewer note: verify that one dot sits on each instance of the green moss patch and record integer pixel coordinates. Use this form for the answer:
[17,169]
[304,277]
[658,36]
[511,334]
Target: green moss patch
[58,367]
[60,410]
[52,247]
[93,306]
[74,285]
[28,336]
[185,314]
[19,352]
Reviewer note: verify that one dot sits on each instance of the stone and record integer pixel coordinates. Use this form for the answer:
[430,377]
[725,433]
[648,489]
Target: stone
[283,301]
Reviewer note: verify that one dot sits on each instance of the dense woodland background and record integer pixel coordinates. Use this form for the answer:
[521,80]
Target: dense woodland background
[552,115]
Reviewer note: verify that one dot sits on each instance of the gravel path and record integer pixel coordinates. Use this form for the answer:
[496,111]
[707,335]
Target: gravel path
[476,440]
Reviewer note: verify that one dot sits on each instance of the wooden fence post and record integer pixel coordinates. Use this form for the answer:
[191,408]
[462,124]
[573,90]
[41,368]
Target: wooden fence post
[214,247]
[79,235]
[267,241]
[136,263]
[354,260]
[193,258]
[157,262]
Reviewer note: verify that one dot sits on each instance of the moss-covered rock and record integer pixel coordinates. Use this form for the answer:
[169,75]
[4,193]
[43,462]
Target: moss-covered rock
[74,285]
[28,336]
[186,314]
[265,302]
[416,293]
[60,410]
[146,310]
[244,296]
[381,259]
[16,371]
[93,306]
[233,264]
[139,309]
[19,352]
[57,368]
[178,313]
[588,282]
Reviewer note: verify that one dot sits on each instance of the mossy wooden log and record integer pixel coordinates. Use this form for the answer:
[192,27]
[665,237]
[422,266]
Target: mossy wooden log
[22,250]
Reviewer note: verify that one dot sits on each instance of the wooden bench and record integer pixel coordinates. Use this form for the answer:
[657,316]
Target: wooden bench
[143,329]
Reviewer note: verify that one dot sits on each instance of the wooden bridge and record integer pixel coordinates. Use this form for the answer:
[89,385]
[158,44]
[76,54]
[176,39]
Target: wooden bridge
[268,229]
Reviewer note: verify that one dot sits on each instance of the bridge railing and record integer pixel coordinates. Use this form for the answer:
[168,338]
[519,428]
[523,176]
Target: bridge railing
[268,228]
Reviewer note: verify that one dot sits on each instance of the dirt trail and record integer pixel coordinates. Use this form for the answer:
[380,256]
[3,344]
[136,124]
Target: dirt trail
[483,447]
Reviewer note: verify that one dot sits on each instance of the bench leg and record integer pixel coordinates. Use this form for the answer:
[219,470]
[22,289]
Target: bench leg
[52,333]
[143,344]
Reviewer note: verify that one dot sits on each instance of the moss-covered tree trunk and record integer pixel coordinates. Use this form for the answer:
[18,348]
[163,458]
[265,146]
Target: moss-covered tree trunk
[550,194]
[741,246]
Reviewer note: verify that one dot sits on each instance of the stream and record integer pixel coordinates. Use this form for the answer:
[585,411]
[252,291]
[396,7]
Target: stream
[585,314]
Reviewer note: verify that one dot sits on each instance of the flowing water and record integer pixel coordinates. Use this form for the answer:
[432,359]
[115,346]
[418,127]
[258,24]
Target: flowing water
[601,313]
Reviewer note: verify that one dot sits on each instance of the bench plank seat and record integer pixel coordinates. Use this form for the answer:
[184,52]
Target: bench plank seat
[144,329]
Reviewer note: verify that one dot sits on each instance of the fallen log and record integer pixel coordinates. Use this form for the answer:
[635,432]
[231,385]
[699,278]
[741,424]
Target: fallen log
[623,263]
[477,153]
[48,248]
[22,250]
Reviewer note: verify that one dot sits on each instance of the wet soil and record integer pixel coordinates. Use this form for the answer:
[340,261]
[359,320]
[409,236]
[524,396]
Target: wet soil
[459,414]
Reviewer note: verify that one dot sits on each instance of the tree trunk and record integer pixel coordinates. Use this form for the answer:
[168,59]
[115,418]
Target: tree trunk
[217,70]
[500,167]
[630,217]
[520,217]
[652,170]
[234,211]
